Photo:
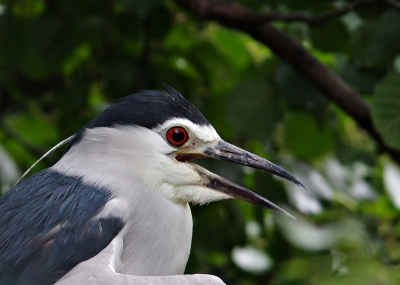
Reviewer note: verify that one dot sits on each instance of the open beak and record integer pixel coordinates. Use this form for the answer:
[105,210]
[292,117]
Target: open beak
[228,152]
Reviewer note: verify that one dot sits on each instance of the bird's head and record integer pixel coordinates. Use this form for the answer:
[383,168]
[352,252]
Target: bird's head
[152,135]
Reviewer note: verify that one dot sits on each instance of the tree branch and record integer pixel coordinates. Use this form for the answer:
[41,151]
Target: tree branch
[291,51]
[245,15]
[391,261]
[313,20]
[394,3]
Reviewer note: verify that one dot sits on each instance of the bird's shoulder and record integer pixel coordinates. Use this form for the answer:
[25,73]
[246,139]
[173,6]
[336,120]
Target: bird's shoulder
[49,223]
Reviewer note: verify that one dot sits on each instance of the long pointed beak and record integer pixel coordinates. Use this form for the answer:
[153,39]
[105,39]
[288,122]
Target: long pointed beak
[228,152]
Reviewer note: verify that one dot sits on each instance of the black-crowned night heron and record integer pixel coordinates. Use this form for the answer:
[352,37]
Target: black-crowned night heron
[114,209]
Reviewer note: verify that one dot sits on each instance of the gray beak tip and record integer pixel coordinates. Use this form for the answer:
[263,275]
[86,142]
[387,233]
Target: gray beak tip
[298,183]
[285,213]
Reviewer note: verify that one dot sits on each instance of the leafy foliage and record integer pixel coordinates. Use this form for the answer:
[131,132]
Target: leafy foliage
[62,62]
[385,109]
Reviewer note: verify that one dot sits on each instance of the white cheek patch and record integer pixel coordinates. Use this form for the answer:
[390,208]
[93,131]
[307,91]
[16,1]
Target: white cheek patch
[206,133]
[131,161]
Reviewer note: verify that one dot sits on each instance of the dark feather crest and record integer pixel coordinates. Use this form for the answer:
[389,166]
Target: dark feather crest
[148,109]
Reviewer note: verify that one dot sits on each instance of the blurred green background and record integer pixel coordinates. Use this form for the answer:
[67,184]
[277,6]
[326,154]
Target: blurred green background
[62,62]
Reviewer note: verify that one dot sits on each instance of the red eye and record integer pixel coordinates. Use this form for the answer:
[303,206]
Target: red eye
[177,136]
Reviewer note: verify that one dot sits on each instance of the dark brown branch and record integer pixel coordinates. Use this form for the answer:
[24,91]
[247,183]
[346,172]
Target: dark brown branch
[260,18]
[394,3]
[313,20]
[392,262]
[291,51]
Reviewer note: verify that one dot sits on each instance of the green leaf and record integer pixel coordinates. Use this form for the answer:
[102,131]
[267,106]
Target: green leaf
[180,38]
[233,45]
[385,108]
[215,69]
[79,55]
[297,91]
[330,37]
[33,127]
[307,137]
[377,42]
[361,79]
[29,9]
[253,109]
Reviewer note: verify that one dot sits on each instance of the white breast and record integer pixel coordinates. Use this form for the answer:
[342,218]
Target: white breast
[157,237]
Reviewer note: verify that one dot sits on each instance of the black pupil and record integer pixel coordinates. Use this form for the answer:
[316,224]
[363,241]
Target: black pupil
[178,136]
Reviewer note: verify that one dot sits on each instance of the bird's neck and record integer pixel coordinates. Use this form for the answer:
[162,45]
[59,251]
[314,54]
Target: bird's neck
[157,235]
[157,238]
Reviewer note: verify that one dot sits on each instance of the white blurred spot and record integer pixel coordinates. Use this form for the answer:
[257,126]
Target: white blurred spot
[350,180]
[391,178]
[360,169]
[181,63]
[2,9]
[8,171]
[338,263]
[302,199]
[352,20]
[320,185]
[336,172]
[307,201]
[251,259]
[253,229]
[332,180]
[361,190]
[396,64]
[305,235]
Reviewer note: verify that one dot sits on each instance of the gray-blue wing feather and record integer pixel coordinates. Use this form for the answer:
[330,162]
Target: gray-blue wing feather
[48,225]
